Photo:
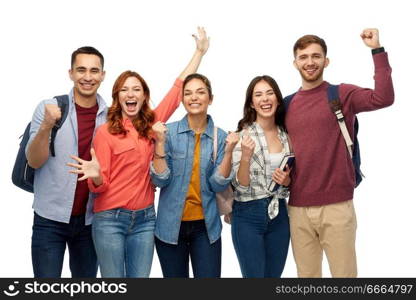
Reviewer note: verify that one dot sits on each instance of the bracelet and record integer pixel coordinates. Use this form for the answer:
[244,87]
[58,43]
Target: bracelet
[158,156]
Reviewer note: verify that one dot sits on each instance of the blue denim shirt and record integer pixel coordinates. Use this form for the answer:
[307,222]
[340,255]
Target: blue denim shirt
[54,187]
[174,181]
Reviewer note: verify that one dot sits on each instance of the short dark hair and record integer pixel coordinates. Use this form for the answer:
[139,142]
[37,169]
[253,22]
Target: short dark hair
[87,50]
[250,114]
[308,39]
[201,77]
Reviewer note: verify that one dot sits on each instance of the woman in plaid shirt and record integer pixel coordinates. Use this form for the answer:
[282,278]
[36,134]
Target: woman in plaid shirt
[260,223]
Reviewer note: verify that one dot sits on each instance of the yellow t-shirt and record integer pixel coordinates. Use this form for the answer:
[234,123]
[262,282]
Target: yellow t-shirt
[193,202]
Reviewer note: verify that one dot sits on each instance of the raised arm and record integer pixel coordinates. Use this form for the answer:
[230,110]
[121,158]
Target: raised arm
[42,123]
[159,162]
[223,174]
[174,97]
[247,150]
[230,142]
[202,45]
[383,93]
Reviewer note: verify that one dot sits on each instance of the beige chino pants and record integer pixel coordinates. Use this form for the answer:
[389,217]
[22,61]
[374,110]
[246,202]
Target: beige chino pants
[330,228]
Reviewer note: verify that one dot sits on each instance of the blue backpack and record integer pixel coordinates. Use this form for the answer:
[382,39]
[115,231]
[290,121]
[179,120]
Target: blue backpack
[352,146]
[23,175]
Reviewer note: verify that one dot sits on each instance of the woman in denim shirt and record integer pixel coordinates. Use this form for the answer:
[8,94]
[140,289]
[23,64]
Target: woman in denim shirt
[260,223]
[188,222]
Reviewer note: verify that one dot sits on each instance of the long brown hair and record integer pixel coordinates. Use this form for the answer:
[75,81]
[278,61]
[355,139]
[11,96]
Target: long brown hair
[144,118]
[250,113]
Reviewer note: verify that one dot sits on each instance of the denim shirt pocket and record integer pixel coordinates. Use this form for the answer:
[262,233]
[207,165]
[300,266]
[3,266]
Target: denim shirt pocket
[178,164]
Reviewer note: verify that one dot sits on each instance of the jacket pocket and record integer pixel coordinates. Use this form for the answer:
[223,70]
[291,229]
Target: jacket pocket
[178,164]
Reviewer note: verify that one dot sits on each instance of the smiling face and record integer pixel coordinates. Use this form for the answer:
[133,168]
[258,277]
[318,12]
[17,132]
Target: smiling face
[87,75]
[311,62]
[264,100]
[131,97]
[196,97]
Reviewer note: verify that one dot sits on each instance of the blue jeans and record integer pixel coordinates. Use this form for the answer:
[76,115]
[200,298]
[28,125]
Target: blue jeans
[124,241]
[49,240]
[261,244]
[192,241]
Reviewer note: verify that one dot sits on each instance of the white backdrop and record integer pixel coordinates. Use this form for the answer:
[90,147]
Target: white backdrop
[248,38]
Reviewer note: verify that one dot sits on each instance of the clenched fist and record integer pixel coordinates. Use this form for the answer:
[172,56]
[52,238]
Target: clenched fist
[52,115]
[370,38]
[231,140]
[247,147]
[159,129]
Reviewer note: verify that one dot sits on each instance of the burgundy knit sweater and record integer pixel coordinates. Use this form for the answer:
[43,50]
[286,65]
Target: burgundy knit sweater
[323,172]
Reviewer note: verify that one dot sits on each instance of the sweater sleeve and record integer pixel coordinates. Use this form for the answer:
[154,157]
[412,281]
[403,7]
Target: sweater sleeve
[103,153]
[364,99]
[170,103]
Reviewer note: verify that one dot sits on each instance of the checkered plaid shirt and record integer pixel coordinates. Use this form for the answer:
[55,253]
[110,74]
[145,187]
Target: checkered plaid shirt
[260,168]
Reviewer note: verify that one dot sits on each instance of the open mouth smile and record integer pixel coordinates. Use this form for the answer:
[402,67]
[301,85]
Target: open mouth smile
[131,105]
[266,107]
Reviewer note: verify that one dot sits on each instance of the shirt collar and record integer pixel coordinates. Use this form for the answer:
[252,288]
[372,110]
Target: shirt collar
[184,126]
[100,101]
[127,123]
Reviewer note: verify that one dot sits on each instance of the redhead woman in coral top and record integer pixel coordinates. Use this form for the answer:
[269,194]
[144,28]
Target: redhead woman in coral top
[124,215]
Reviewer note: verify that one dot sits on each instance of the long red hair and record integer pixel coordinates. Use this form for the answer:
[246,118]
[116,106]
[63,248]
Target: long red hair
[145,117]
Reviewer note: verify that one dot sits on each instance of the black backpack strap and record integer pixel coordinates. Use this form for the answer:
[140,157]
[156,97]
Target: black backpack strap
[336,107]
[63,103]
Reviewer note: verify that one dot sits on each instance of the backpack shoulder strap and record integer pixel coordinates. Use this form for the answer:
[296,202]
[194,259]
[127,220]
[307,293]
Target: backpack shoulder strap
[336,108]
[215,143]
[63,103]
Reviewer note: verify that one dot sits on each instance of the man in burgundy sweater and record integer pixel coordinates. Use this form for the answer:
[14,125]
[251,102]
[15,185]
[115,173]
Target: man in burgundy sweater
[322,216]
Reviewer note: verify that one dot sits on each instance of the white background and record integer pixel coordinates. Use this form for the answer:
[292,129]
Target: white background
[248,38]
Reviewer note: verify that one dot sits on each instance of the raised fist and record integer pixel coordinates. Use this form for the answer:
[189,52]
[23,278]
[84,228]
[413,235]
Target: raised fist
[370,38]
[247,147]
[231,140]
[52,115]
[159,129]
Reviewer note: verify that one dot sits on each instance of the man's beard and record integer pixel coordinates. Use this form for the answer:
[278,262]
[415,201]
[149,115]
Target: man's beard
[316,77]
